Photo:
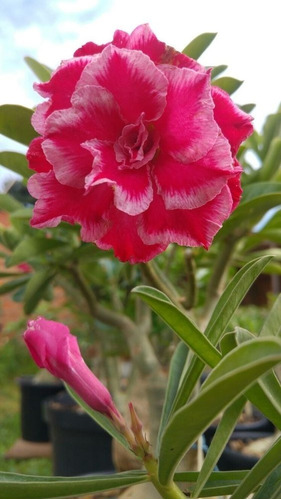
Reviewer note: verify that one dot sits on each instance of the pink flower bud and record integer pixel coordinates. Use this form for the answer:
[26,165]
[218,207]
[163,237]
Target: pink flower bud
[53,347]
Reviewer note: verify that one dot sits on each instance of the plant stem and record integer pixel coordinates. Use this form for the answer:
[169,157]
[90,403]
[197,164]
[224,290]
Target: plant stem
[170,490]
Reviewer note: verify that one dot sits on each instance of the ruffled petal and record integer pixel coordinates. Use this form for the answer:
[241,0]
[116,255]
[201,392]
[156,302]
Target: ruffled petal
[132,78]
[191,185]
[62,83]
[143,38]
[36,158]
[187,127]
[132,188]
[234,123]
[186,227]
[57,202]
[123,237]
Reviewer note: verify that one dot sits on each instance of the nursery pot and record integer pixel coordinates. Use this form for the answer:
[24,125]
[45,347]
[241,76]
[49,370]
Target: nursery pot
[80,445]
[245,432]
[33,425]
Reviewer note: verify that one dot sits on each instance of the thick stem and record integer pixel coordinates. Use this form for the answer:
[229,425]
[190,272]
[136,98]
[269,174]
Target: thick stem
[156,278]
[169,490]
[138,342]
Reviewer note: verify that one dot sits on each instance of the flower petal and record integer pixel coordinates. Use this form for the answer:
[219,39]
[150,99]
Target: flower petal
[132,78]
[186,227]
[191,185]
[143,38]
[132,188]
[36,158]
[57,202]
[123,237]
[187,127]
[235,124]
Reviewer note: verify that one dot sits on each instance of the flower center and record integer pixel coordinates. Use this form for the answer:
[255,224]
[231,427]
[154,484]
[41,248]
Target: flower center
[136,146]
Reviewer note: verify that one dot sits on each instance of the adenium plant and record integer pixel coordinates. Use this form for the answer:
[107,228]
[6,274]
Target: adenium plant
[139,146]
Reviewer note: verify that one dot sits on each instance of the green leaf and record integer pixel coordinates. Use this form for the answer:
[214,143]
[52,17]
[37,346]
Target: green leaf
[198,45]
[271,129]
[16,162]
[15,123]
[217,70]
[227,83]
[247,107]
[272,160]
[39,69]
[272,486]
[180,323]
[13,284]
[218,443]
[232,297]
[36,288]
[8,203]
[231,377]
[260,471]
[222,314]
[219,484]
[249,212]
[32,247]
[101,419]
[176,367]
[272,324]
[24,486]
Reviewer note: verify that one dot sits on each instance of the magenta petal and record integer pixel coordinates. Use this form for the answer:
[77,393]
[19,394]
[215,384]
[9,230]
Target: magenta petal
[123,237]
[235,124]
[132,188]
[191,185]
[143,38]
[187,127]
[71,163]
[186,227]
[36,158]
[134,81]
[57,202]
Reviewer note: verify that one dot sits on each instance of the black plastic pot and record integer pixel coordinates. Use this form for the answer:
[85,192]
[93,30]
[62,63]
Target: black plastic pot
[33,425]
[80,446]
[232,459]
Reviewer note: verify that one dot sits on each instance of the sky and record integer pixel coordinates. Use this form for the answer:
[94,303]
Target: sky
[248,40]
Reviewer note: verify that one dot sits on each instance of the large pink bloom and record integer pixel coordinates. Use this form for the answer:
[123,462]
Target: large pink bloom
[53,347]
[137,147]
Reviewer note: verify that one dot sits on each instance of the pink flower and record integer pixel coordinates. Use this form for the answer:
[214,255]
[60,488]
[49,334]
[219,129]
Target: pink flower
[137,147]
[52,346]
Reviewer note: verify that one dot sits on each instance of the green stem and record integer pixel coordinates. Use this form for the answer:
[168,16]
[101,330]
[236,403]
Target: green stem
[169,490]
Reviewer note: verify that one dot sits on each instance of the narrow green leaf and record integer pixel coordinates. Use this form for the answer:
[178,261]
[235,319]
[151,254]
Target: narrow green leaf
[16,162]
[231,377]
[219,484]
[232,297]
[36,288]
[272,160]
[32,247]
[217,70]
[247,107]
[101,420]
[39,69]
[227,83]
[260,471]
[13,284]
[218,443]
[272,486]
[222,314]
[8,203]
[24,486]
[272,324]
[15,123]
[180,323]
[198,45]
[271,129]
[3,274]
[176,368]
